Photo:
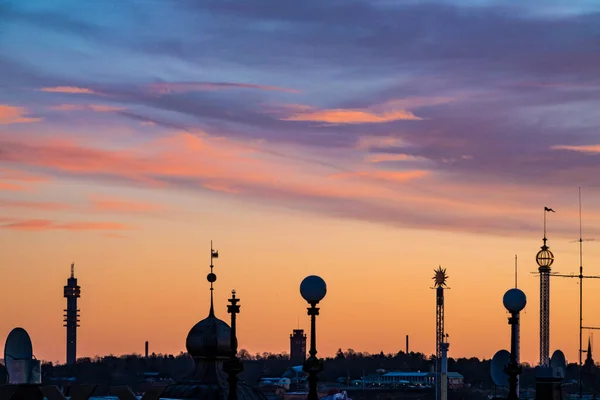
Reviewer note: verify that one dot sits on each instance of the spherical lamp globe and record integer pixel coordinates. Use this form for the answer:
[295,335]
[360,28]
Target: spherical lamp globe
[514,300]
[313,289]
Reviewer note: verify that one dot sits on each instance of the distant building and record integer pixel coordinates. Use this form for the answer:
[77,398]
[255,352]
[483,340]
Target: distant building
[455,380]
[589,360]
[298,346]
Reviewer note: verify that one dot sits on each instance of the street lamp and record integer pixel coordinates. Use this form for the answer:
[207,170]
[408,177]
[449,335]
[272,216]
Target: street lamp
[514,301]
[313,289]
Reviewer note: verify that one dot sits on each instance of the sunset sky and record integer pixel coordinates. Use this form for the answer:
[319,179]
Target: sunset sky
[366,141]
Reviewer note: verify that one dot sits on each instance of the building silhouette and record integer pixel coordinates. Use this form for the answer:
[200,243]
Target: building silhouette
[589,360]
[298,346]
[209,343]
[72,292]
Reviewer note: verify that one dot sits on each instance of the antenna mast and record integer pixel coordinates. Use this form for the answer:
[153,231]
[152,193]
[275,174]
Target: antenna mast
[580,300]
[516,271]
[581,278]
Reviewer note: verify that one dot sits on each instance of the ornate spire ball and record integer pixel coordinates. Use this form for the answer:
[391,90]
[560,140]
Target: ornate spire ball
[313,289]
[440,277]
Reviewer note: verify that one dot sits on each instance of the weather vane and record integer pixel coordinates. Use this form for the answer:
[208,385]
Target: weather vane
[440,277]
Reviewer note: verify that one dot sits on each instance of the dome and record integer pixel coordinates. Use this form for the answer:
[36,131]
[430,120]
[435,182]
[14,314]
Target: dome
[313,289]
[514,300]
[209,338]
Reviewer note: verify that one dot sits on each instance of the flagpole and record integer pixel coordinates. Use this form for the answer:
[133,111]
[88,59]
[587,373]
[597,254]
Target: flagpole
[544,223]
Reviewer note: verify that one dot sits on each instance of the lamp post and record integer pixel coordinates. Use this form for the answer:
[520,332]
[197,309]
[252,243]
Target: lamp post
[313,289]
[233,366]
[514,301]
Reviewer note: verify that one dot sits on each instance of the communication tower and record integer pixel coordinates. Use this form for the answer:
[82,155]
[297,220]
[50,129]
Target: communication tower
[72,292]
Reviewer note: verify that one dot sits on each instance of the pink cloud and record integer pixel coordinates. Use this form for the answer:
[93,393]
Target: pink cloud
[87,107]
[392,176]
[44,206]
[68,89]
[383,157]
[14,115]
[594,148]
[391,110]
[11,176]
[11,186]
[198,161]
[46,225]
[351,116]
[111,204]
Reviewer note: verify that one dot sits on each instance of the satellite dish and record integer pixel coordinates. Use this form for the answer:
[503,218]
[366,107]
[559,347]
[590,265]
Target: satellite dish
[18,353]
[499,361]
[559,362]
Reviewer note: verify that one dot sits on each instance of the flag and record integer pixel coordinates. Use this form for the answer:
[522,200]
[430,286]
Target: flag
[548,209]
[214,254]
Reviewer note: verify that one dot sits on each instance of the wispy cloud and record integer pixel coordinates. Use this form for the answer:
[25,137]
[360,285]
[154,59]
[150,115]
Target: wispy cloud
[384,157]
[15,180]
[351,116]
[44,206]
[49,225]
[392,176]
[14,115]
[594,148]
[87,107]
[68,90]
[118,205]
[183,87]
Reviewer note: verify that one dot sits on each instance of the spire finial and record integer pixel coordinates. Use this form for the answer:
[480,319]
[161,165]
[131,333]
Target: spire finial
[212,278]
[72,270]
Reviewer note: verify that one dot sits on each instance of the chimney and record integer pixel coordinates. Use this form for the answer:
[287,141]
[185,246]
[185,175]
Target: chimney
[406,344]
[146,349]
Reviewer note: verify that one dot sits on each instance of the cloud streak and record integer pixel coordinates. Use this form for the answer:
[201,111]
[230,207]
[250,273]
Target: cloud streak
[593,149]
[184,87]
[14,115]
[118,205]
[346,116]
[68,90]
[49,225]
[86,107]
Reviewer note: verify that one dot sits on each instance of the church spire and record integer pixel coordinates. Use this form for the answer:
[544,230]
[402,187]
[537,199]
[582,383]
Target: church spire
[212,278]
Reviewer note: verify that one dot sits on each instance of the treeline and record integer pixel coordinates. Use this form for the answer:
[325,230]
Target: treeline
[348,365]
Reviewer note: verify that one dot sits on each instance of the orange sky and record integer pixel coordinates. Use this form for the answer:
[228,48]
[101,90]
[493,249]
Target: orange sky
[147,282]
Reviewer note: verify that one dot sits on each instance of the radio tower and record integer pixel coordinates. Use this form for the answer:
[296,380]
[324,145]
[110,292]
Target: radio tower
[72,293]
[440,278]
[544,259]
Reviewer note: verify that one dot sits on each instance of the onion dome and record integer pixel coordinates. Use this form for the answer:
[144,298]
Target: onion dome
[209,338]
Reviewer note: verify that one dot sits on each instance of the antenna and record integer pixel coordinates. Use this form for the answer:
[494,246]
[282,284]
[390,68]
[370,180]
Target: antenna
[516,270]
[72,270]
